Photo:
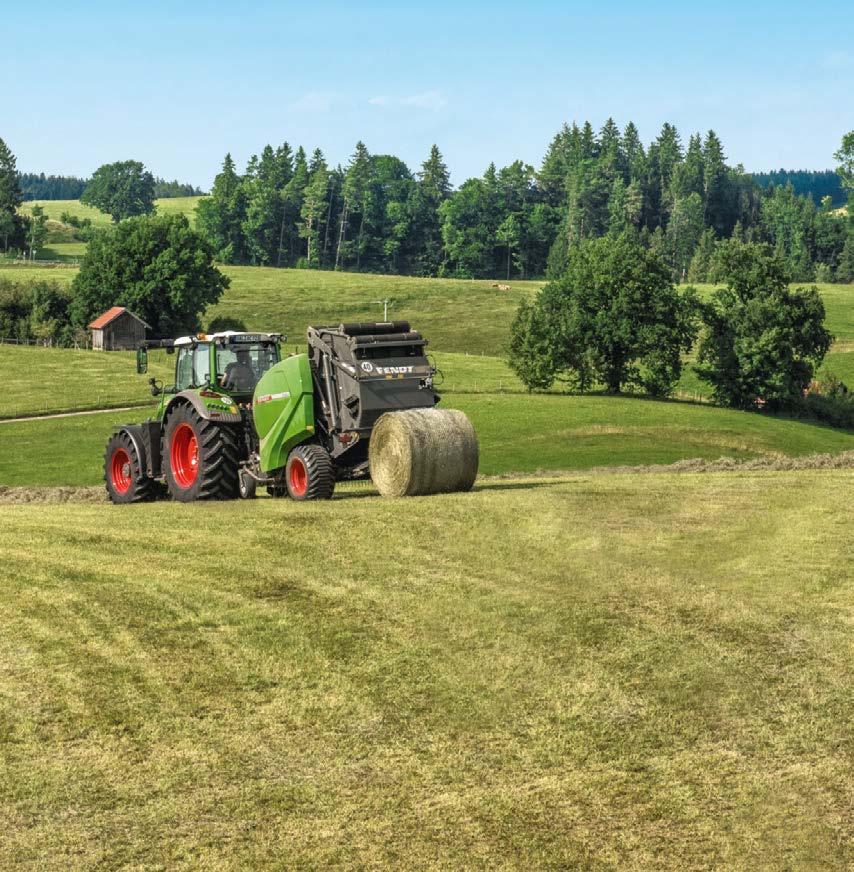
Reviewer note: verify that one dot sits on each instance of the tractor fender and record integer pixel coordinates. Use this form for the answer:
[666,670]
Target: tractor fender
[199,405]
[146,440]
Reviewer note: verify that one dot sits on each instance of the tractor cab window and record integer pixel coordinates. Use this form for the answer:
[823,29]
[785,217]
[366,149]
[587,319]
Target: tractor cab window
[201,365]
[184,369]
[239,366]
[192,369]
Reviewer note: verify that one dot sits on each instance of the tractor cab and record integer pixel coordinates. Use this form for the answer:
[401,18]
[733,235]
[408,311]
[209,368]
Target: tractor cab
[229,362]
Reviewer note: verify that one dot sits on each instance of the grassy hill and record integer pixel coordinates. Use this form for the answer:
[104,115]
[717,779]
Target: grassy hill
[456,315]
[46,380]
[517,433]
[604,671]
[466,323]
[54,209]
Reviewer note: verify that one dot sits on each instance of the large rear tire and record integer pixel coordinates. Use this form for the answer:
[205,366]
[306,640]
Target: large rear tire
[123,473]
[310,473]
[200,457]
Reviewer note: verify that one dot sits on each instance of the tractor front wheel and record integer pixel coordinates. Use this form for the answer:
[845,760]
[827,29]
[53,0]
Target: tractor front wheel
[310,474]
[126,479]
[200,457]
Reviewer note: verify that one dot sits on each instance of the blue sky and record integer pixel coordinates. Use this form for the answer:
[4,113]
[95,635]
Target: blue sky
[176,85]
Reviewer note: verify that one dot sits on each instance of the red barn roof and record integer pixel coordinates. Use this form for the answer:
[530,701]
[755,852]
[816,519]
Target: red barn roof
[111,315]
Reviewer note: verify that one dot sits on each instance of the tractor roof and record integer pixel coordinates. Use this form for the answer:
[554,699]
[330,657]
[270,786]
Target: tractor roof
[229,336]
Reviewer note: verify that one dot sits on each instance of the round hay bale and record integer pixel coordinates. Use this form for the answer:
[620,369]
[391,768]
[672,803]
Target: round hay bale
[423,451]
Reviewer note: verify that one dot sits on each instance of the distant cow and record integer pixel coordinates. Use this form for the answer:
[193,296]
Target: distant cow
[501,287]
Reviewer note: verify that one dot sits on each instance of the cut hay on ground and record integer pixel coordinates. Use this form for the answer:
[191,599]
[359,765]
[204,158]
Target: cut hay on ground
[52,494]
[423,451]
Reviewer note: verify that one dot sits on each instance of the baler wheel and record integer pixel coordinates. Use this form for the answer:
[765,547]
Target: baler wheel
[310,474]
[248,486]
[123,473]
[200,457]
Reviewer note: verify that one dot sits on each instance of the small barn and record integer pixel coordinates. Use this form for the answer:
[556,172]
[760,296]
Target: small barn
[118,329]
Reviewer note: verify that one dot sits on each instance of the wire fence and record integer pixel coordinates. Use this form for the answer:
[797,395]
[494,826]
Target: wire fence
[42,343]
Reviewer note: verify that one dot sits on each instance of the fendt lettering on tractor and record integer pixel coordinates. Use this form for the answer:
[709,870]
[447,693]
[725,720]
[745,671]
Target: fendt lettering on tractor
[360,402]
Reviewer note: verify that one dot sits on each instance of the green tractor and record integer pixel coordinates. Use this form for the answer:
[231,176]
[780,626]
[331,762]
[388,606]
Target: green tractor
[359,403]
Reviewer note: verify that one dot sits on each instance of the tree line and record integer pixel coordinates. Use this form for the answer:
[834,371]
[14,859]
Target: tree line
[375,214]
[38,186]
[816,184]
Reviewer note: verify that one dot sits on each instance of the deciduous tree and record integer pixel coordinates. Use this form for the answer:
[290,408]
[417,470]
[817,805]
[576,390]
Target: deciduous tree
[122,190]
[762,341]
[156,266]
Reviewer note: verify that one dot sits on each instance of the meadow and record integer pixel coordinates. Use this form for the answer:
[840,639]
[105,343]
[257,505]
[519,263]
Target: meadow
[459,315]
[565,668]
[466,323]
[54,209]
[516,432]
[598,671]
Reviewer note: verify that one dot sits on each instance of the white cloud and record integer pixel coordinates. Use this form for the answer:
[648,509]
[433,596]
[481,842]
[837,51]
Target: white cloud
[314,101]
[430,100]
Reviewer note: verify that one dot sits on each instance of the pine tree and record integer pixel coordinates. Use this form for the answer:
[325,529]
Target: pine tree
[432,189]
[220,216]
[683,233]
[314,205]
[356,182]
[10,189]
[633,149]
[715,184]
[292,200]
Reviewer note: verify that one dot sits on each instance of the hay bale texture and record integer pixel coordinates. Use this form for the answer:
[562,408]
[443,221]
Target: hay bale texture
[423,451]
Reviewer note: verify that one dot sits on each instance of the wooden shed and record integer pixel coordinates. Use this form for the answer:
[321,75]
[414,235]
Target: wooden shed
[117,330]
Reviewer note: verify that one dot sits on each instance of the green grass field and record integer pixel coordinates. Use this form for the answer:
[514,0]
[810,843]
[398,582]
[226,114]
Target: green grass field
[54,209]
[604,671]
[456,315]
[45,380]
[517,433]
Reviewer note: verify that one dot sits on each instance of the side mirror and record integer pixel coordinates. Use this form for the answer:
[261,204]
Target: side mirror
[142,360]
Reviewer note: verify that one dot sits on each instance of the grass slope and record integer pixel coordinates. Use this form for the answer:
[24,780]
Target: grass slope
[601,672]
[41,380]
[517,433]
[456,315]
[54,209]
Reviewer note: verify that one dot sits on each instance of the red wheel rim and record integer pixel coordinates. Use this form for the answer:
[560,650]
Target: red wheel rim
[184,455]
[298,477]
[120,472]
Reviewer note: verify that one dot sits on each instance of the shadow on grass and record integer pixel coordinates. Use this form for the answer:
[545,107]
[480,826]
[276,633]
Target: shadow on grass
[523,483]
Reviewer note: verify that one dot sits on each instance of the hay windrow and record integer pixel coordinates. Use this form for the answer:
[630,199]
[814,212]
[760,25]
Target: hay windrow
[52,494]
[423,451]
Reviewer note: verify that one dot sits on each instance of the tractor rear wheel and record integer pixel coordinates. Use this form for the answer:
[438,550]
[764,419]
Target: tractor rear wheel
[310,474]
[200,457]
[126,479]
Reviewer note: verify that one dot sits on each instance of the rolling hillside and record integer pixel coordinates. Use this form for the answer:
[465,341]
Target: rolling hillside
[466,323]
[54,209]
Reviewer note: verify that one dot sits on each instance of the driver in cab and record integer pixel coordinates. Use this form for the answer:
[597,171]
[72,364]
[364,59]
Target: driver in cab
[239,375]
